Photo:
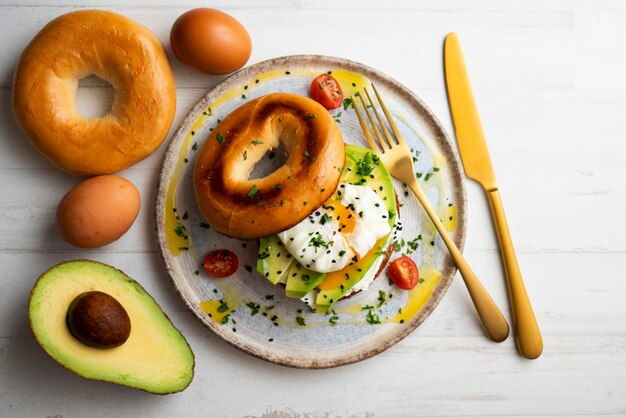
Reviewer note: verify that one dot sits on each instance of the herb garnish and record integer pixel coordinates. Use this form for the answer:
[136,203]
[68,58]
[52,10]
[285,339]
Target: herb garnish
[366,165]
[223,307]
[325,218]
[372,318]
[254,308]
[252,191]
[257,142]
[219,138]
[382,298]
[317,241]
[300,321]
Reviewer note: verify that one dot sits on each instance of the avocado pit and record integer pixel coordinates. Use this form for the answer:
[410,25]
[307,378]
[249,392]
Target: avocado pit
[98,320]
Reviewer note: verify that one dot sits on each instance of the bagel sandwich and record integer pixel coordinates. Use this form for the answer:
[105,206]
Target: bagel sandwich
[341,246]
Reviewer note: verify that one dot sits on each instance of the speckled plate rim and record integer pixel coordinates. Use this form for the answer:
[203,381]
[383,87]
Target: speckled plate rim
[436,133]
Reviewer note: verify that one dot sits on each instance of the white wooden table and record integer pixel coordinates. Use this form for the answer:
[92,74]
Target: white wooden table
[550,82]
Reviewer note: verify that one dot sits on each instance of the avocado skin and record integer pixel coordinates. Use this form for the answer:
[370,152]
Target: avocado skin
[138,288]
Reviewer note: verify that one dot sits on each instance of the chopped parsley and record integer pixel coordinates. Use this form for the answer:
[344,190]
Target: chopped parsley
[372,318]
[325,218]
[367,164]
[225,319]
[223,307]
[300,321]
[194,146]
[257,142]
[254,308]
[416,154]
[252,191]
[382,298]
[317,241]
[347,102]
[245,155]
[413,244]
[179,231]
[219,138]
[333,320]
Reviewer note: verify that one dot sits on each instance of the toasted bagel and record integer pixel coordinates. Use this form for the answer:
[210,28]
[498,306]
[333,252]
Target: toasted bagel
[239,207]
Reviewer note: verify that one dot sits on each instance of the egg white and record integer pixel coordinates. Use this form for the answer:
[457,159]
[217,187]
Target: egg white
[323,242]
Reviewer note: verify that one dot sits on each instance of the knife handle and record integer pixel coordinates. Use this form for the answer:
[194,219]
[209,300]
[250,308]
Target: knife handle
[528,336]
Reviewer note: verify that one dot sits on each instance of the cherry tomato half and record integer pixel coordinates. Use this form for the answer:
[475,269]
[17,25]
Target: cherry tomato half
[220,263]
[326,91]
[404,273]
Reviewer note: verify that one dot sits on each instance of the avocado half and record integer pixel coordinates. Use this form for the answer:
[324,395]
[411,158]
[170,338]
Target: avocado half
[155,358]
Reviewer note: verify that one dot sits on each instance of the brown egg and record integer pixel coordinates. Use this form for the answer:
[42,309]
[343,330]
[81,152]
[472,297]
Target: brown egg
[98,211]
[210,41]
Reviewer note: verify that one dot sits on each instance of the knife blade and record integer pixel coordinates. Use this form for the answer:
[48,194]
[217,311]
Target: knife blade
[477,165]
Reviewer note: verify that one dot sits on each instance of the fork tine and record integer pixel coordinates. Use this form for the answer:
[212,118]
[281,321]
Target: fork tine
[394,128]
[366,130]
[383,145]
[380,120]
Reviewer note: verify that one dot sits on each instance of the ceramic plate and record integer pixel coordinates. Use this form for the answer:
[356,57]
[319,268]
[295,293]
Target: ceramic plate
[245,309]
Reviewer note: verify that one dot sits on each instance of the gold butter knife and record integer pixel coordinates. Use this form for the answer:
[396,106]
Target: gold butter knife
[477,164]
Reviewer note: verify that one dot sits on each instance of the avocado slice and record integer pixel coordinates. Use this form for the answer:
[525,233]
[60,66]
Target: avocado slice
[273,260]
[301,280]
[155,358]
[362,168]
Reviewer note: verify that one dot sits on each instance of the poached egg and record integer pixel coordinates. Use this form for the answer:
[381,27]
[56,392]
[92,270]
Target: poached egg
[343,230]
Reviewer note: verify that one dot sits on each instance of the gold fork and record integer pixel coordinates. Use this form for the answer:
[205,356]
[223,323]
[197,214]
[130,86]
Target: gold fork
[396,156]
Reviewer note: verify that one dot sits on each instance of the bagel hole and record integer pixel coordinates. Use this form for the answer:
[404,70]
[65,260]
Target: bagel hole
[95,97]
[271,161]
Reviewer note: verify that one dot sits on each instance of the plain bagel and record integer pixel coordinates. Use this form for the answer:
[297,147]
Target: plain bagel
[116,49]
[243,208]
